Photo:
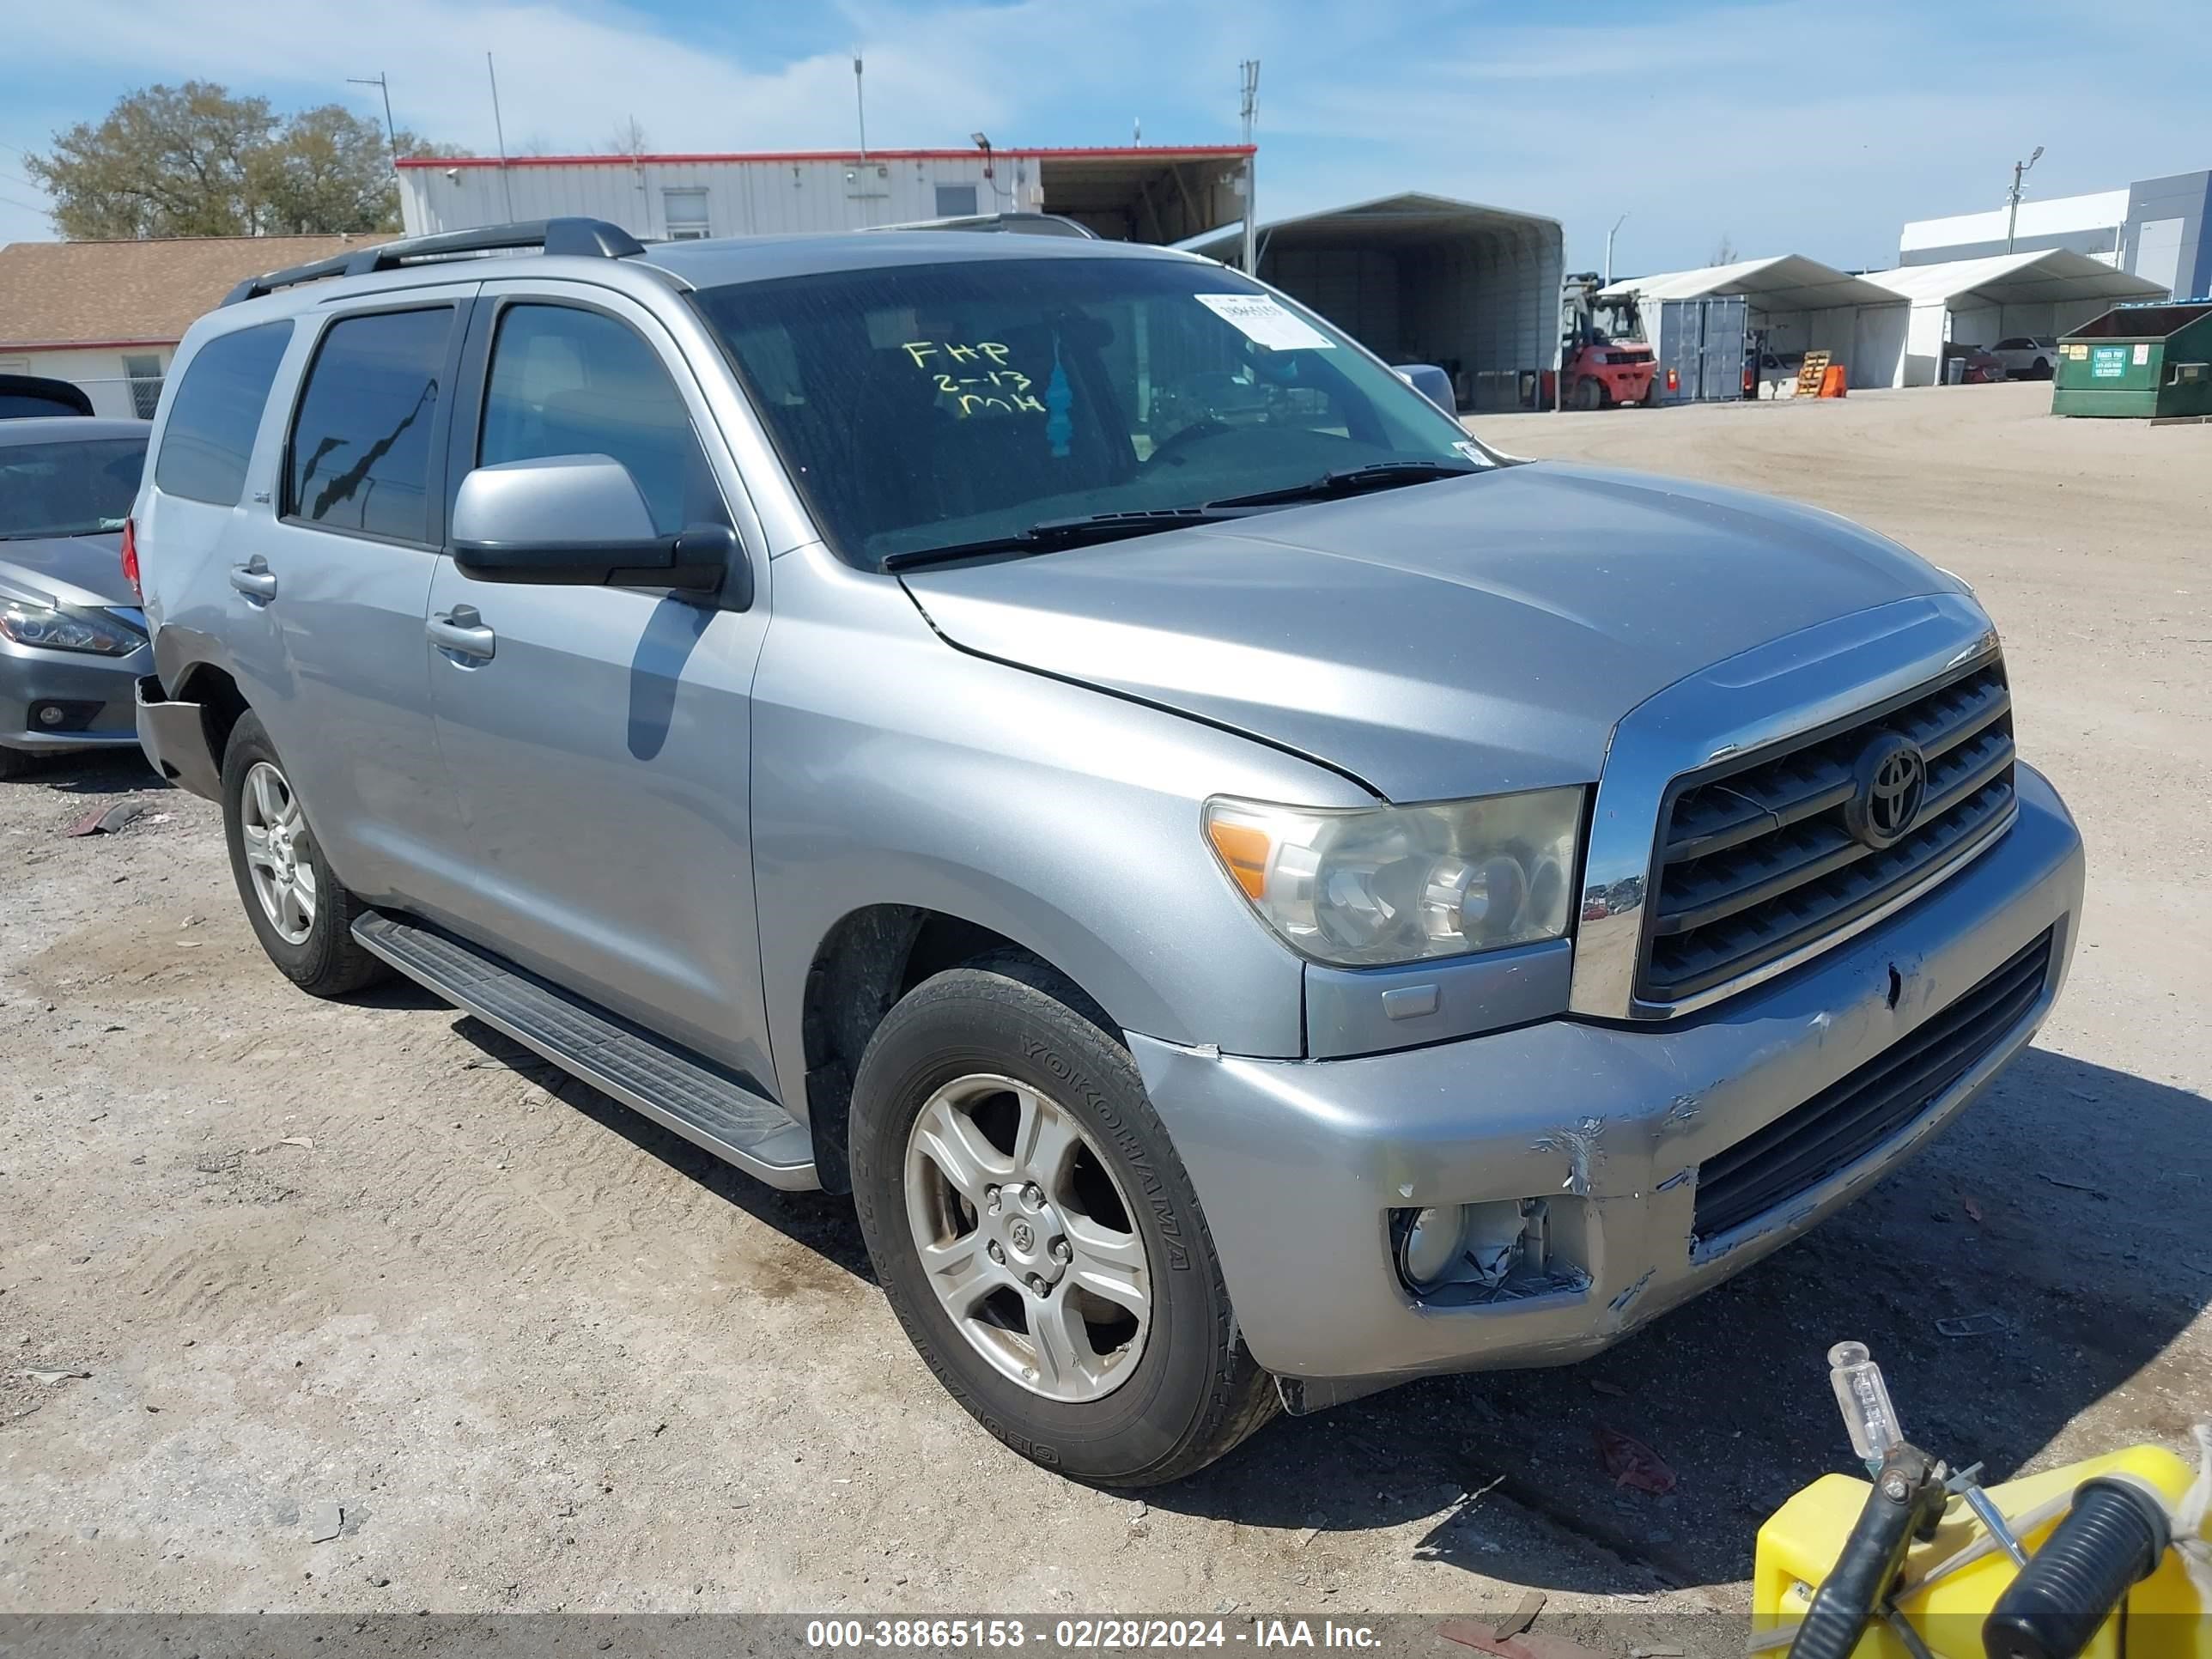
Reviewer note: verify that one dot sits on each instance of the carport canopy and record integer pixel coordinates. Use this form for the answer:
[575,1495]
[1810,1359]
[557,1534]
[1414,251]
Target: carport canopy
[1787,282]
[1798,303]
[1422,278]
[2039,295]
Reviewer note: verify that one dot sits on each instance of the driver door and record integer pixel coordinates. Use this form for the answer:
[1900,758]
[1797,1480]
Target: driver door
[597,738]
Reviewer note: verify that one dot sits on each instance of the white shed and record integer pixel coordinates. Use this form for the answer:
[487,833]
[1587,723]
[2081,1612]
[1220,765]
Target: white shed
[1981,302]
[1803,306]
[1425,279]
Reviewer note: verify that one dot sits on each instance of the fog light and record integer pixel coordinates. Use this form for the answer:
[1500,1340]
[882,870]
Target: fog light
[1475,1244]
[51,714]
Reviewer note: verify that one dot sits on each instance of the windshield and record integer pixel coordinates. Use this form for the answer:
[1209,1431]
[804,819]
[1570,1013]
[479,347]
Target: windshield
[933,406]
[66,489]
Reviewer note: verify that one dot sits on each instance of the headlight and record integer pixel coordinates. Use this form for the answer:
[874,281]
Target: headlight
[65,628]
[1401,884]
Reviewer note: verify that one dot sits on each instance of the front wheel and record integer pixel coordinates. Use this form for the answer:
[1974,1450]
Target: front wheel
[302,917]
[1038,1237]
[1588,394]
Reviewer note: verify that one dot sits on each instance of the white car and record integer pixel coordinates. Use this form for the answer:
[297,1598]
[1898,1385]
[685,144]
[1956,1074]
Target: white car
[2027,358]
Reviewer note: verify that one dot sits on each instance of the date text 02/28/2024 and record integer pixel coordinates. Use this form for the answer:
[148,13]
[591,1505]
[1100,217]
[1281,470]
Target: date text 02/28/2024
[1086,1634]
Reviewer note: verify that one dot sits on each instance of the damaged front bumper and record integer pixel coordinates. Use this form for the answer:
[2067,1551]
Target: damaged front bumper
[1301,1166]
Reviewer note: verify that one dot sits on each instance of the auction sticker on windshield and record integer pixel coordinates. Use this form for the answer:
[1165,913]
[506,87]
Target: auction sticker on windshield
[1263,320]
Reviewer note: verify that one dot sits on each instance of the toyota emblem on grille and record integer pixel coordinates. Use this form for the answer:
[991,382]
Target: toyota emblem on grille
[1892,779]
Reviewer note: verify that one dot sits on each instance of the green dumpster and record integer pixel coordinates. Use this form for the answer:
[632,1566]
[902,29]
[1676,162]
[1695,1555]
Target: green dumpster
[2144,361]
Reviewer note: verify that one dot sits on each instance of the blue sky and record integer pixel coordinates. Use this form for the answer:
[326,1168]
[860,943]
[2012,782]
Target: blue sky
[1813,126]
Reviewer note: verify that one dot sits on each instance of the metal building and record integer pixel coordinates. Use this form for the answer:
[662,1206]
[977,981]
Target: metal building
[2158,228]
[1148,194]
[1417,278]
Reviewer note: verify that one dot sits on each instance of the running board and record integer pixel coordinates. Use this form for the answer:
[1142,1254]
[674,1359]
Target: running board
[661,1080]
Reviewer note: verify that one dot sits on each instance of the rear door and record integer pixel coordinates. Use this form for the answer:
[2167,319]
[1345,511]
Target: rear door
[599,743]
[341,566]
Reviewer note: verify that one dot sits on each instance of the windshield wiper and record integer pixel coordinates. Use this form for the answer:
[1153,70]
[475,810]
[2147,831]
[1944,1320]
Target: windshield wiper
[1353,481]
[1049,533]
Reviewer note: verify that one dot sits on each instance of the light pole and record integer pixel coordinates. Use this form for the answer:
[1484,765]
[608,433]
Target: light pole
[1609,235]
[2012,196]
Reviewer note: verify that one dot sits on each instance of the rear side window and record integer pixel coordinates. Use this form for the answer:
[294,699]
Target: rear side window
[360,455]
[217,411]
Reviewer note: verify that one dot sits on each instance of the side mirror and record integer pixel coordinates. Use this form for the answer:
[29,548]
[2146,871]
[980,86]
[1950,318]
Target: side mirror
[580,520]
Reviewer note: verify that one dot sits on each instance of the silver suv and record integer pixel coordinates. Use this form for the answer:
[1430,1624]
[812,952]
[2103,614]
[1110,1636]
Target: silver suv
[1256,896]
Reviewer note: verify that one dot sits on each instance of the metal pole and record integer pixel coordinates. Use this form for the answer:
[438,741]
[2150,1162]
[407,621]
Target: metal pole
[391,132]
[860,103]
[1609,235]
[2012,196]
[499,130]
[1250,71]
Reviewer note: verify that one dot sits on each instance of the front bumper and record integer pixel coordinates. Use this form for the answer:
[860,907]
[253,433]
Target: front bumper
[1298,1164]
[95,693]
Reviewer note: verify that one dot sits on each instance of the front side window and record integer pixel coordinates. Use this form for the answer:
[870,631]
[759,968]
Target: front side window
[360,456]
[565,381]
[64,488]
[927,407]
[215,413]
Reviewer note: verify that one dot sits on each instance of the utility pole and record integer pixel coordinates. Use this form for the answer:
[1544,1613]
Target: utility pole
[860,103]
[499,130]
[391,132]
[1250,71]
[1609,235]
[2012,196]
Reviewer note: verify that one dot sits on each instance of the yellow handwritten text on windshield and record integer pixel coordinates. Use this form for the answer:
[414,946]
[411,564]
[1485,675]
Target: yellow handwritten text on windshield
[975,377]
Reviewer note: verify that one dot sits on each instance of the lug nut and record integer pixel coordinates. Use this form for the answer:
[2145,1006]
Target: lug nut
[991,1198]
[1061,1253]
[1037,1284]
[1033,1193]
[996,1254]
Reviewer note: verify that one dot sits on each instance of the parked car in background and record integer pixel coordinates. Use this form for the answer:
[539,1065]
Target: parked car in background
[1256,896]
[1971,365]
[2026,357]
[72,638]
[30,396]
[1432,383]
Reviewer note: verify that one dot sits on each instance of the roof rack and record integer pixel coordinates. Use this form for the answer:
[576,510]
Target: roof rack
[1028,224]
[588,238]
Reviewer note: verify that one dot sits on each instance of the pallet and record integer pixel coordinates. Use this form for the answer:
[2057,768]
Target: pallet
[1810,373]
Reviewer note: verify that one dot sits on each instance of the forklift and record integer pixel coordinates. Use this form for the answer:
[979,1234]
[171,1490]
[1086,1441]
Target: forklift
[1604,361]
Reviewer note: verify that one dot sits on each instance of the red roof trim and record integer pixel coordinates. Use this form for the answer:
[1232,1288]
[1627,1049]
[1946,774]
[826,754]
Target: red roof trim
[1104,153]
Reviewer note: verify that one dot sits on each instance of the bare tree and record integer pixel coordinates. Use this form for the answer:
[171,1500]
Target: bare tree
[627,139]
[1724,250]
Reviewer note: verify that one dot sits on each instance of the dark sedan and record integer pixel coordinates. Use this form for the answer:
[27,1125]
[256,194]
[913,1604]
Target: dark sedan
[72,638]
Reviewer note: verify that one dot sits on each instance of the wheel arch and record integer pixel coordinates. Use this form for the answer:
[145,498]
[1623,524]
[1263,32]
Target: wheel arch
[869,957]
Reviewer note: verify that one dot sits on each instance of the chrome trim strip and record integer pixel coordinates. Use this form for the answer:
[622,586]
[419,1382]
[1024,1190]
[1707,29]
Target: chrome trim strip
[1758,699]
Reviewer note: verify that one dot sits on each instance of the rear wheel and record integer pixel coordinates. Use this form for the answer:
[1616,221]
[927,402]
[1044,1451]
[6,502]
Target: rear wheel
[1038,1237]
[302,917]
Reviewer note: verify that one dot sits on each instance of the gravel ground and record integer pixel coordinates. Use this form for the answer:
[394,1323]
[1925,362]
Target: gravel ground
[540,1355]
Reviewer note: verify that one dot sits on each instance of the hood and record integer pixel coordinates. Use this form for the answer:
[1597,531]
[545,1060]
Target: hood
[75,569]
[1470,636]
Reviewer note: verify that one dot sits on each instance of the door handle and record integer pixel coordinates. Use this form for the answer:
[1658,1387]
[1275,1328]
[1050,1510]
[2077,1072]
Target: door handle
[252,579]
[462,632]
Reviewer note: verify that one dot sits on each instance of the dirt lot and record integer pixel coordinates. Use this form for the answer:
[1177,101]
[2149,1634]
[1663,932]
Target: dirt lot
[543,1355]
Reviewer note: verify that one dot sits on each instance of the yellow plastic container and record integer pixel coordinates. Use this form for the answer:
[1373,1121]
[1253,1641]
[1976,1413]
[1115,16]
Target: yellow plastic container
[2165,1617]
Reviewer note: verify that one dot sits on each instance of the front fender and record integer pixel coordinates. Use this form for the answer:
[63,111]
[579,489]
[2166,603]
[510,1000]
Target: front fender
[890,769]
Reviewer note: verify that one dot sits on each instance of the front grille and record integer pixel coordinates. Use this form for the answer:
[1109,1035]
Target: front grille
[1857,1113]
[1754,860]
